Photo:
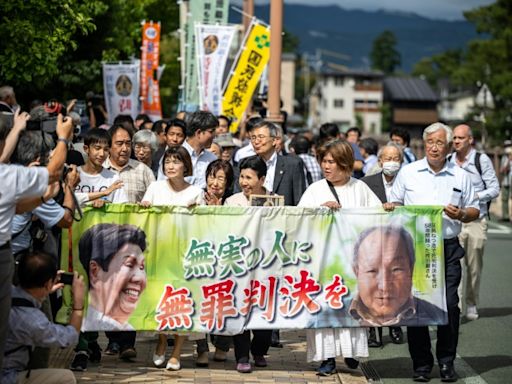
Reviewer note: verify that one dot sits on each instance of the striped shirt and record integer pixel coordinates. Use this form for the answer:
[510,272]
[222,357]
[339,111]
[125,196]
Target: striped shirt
[136,178]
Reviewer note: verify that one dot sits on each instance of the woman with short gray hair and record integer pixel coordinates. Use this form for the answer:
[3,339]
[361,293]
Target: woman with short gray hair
[145,144]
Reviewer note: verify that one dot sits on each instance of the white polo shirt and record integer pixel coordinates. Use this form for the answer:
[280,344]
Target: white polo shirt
[418,184]
[18,182]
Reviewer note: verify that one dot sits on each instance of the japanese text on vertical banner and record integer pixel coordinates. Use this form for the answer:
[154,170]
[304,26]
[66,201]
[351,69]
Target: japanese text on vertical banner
[246,73]
[149,86]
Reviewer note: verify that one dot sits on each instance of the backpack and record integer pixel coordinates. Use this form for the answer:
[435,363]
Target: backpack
[478,167]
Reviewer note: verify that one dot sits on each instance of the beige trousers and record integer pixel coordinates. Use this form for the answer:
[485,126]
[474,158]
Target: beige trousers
[47,376]
[472,238]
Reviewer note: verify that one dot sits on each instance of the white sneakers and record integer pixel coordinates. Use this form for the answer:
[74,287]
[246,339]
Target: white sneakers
[471,313]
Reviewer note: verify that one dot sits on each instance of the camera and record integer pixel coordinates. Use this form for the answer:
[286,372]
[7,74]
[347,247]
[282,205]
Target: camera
[67,278]
[44,118]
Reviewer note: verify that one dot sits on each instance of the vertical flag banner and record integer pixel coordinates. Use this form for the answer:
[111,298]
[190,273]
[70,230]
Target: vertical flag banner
[204,12]
[121,85]
[213,43]
[149,89]
[246,73]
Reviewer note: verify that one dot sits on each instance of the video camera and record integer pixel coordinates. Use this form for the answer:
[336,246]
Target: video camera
[45,118]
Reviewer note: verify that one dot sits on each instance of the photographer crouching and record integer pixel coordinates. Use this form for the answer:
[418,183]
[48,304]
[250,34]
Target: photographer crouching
[29,327]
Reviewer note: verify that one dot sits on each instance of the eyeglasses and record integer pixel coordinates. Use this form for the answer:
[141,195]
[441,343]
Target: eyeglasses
[145,147]
[258,137]
[438,144]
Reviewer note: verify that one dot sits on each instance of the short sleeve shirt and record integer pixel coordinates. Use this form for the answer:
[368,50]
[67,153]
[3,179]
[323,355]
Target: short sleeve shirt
[418,184]
[18,182]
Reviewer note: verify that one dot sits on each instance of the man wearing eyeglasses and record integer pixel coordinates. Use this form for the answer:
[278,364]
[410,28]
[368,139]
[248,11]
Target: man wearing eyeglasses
[436,181]
[285,174]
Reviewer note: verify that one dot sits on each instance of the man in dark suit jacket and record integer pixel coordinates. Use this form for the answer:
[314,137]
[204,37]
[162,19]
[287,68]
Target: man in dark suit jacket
[285,174]
[390,158]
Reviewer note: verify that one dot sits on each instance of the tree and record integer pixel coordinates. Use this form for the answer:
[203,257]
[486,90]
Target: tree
[37,34]
[485,60]
[55,49]
[384,55]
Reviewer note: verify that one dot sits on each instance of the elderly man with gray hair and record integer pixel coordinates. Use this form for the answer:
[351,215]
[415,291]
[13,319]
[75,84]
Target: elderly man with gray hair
[436,181]
[384,280]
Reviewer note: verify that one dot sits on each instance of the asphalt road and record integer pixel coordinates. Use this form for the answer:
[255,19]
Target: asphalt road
[485,345]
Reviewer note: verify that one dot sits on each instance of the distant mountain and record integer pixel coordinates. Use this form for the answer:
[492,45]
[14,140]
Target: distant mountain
[351,32]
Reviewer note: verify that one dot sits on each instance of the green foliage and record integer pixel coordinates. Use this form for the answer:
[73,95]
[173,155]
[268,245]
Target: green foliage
[291,42]
[386,117]
[384,55]
[485,60]
[55,48]
[37,34]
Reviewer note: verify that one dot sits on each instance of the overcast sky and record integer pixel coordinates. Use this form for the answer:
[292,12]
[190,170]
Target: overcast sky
[437,9]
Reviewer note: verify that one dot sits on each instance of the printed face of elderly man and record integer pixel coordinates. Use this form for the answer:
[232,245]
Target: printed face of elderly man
[384,268]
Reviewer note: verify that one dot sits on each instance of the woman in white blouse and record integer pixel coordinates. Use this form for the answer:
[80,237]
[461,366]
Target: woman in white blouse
[337,190]
[174,190]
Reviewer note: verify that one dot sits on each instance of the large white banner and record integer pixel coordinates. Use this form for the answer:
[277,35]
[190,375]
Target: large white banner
[121,85]
[213,43]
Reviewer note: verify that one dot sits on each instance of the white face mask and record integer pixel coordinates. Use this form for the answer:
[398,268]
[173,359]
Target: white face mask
[390,168]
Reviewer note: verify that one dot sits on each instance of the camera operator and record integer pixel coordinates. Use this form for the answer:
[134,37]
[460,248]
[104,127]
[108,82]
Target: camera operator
[23,189]
[33,149]
[29,327]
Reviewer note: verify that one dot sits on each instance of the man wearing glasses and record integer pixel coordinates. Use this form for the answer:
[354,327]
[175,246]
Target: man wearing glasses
[285,174]
[436,181]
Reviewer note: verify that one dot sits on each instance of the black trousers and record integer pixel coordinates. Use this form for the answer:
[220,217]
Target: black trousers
[418,338]
[258,346]
[125,339]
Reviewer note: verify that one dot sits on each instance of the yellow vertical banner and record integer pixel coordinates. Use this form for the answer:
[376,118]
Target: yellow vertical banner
[243,80]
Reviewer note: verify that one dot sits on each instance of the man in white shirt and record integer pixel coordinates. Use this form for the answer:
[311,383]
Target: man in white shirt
[435,181]
[23,187]
[474,234]
[200,134]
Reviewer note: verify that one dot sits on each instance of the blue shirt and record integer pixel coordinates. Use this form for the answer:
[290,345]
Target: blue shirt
[418,184]
[30,326]
[199,162]
[50,213]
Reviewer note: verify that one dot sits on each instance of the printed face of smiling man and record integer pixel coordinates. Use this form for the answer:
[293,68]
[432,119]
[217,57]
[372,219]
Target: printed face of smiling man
[384,275]
[116,291]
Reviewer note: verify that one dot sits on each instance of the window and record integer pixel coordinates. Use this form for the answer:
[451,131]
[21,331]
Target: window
[338,81]
[338,103]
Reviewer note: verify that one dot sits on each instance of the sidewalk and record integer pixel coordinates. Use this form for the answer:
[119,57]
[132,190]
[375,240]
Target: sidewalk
[286,365]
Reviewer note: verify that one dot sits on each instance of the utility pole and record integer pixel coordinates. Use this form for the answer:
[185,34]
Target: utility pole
[248,13]
[274,78]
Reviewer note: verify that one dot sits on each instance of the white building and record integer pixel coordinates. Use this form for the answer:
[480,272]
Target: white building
[348,98]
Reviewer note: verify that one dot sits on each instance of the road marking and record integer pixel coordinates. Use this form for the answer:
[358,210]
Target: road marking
[499,229]
[468,373]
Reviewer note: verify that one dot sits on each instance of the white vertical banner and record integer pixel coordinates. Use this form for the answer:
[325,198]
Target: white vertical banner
[121,86]
[213,43]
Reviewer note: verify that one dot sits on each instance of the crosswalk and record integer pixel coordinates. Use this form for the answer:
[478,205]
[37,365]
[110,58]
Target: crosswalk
[498,229]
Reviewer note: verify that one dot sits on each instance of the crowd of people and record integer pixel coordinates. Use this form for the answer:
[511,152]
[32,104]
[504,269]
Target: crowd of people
[194,159]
